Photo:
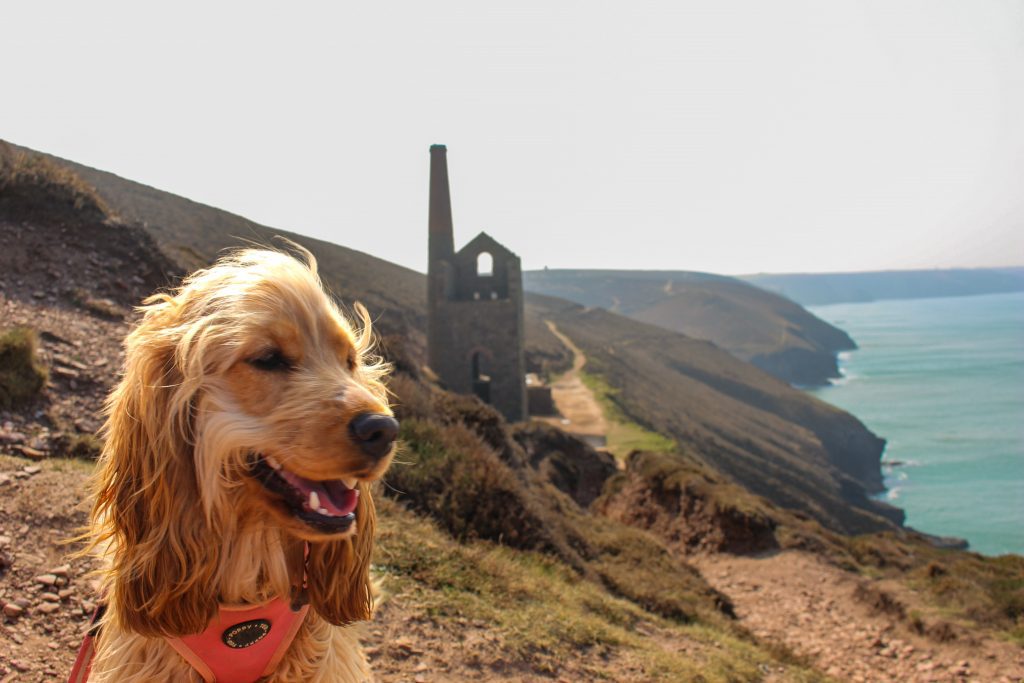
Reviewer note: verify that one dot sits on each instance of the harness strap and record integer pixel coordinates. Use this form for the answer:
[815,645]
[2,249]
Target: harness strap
[298,566]
[83,662]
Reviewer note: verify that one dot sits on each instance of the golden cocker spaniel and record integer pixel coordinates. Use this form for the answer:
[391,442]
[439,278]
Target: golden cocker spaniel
[240,446]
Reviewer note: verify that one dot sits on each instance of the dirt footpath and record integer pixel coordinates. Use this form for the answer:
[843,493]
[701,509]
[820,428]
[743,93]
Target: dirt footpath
[581,414]
[800,601]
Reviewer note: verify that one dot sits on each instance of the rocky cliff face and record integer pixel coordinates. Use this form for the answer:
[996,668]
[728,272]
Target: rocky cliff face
[801,367]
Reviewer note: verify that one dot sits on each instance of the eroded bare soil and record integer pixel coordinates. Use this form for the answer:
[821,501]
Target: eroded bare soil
[796,599]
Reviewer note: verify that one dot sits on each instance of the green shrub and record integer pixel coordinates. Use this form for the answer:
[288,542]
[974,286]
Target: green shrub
[21,374]
[449,473]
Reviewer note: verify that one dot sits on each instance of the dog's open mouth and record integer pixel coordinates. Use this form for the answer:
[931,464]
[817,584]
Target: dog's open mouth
[328,506]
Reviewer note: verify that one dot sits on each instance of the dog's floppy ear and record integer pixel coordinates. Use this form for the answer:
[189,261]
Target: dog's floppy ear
[339,571]
[147,505]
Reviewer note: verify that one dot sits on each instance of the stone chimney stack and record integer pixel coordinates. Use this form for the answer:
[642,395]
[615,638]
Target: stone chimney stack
[442,240]
[440,255]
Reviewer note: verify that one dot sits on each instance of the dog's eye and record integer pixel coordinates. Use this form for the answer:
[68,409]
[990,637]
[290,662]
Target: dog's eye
[271,361]
[352,362]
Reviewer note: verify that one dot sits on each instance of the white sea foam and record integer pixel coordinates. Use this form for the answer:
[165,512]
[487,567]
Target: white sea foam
[845,377]
[893,493]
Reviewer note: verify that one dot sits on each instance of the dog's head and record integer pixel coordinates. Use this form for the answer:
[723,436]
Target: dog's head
[248,400]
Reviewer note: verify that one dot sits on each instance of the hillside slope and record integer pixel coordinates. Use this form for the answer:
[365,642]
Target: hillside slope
[816,289]
[592,596]
[777,441]
[753,324]
[818,459]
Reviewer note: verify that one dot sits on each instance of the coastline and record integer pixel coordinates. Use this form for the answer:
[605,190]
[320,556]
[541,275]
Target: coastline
[935,377]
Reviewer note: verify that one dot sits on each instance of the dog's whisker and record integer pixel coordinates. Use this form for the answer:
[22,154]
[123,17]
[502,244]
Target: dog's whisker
[387,484]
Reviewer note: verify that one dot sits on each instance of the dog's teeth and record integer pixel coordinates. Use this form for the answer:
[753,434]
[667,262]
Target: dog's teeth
[350,483]
[273,462]
[323,511]
[314,501]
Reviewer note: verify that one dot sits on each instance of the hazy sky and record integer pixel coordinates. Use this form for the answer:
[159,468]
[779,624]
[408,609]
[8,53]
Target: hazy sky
[724,136]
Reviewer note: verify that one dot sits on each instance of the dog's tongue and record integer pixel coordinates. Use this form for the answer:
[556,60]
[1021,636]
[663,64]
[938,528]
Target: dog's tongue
[332,497]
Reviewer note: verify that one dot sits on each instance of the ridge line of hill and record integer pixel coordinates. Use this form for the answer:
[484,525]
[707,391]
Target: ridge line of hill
[760,327]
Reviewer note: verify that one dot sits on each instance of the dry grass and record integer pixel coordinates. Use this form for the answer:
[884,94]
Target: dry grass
[542,614]
[33,184]
[962,588]
[22,376]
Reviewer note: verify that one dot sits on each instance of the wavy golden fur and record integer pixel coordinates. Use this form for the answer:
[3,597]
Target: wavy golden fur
[178,518]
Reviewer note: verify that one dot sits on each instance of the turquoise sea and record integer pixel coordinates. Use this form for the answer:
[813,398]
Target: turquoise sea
[943,381]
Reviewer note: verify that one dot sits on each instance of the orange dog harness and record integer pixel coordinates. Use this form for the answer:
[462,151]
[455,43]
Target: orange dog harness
[241,644]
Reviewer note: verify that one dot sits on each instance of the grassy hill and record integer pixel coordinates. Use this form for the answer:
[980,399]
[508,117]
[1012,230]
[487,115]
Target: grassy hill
[796,450]
[814,289]
[753,324]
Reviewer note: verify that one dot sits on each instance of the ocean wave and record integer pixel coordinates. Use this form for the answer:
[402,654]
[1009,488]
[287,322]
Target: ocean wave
[893,493]
[894,463]
[844,378]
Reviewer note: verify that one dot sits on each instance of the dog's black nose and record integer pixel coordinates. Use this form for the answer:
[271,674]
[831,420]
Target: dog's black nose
[374,433]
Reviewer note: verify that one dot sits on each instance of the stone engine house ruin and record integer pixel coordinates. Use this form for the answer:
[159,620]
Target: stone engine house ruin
[475,307]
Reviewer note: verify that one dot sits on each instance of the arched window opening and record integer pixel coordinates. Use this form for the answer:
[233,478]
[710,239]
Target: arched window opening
[484,264]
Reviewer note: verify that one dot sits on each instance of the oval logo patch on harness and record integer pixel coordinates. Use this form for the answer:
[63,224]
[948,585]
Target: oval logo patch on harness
[246,634]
